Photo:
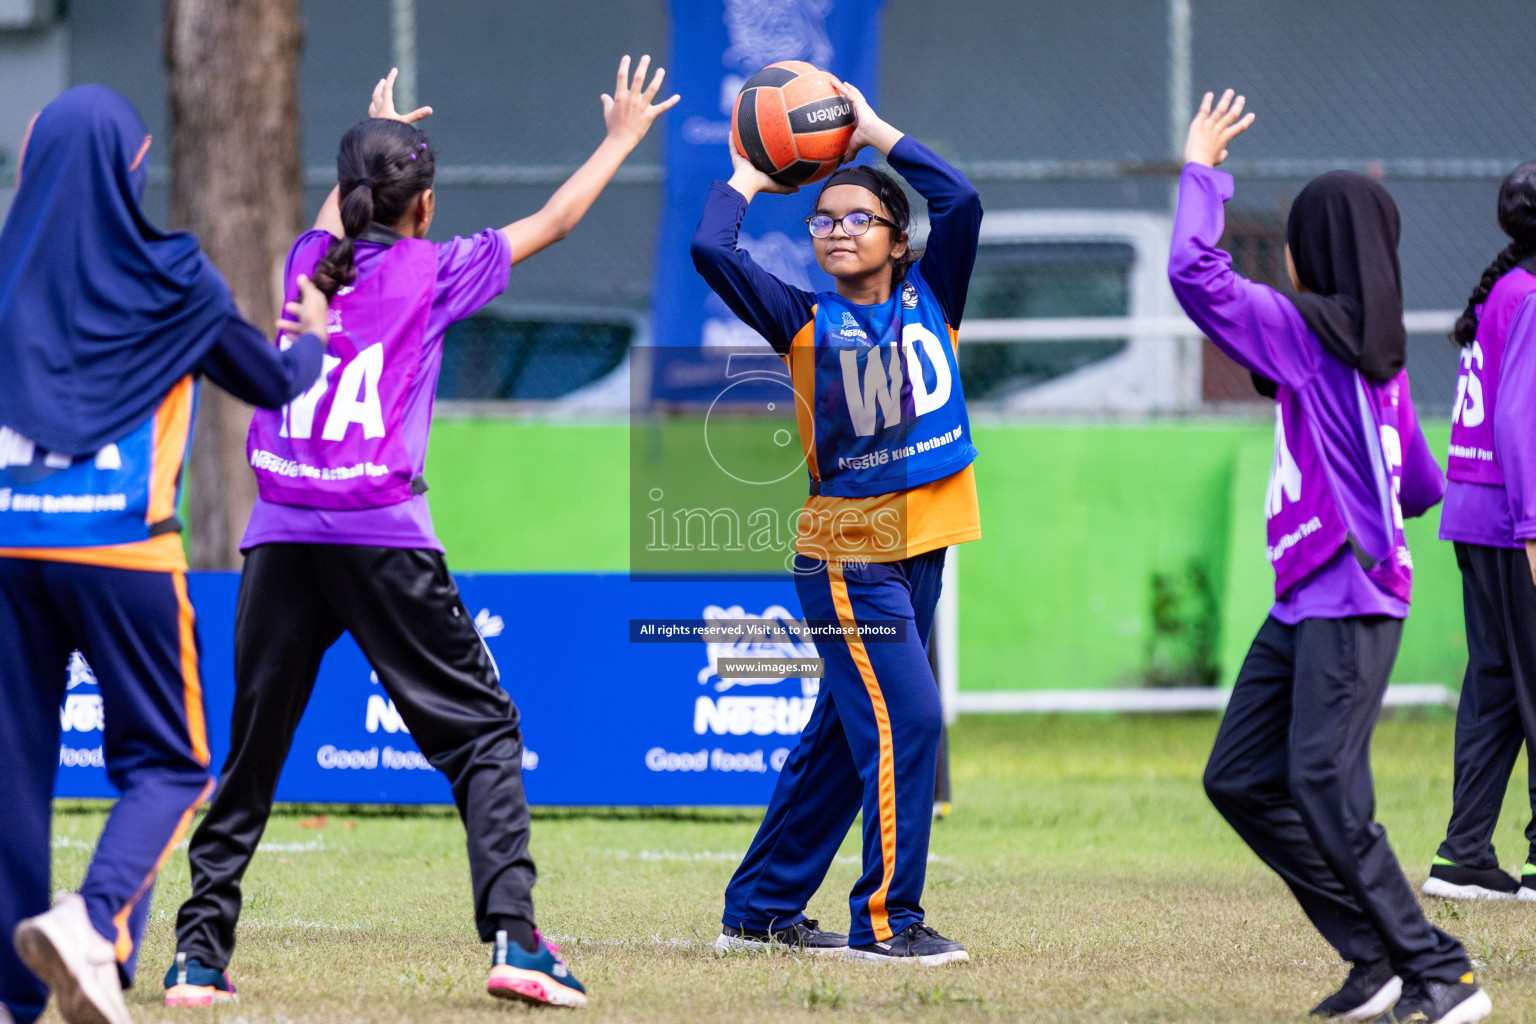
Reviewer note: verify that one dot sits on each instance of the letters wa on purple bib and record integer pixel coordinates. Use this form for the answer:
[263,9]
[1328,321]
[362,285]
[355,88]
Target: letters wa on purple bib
[341,444]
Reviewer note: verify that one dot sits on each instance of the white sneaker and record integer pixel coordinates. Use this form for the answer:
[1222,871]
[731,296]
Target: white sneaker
[75,962]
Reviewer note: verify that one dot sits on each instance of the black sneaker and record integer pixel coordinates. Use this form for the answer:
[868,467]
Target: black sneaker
[1451,881]
[1439,1002]
[804,937]
[1527,882]
[916,943]
[1370,989]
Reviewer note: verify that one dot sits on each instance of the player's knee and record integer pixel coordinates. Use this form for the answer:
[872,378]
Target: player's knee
[1312,777]
[1227,789]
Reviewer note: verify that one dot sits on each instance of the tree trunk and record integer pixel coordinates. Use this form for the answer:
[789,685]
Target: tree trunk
[236,182]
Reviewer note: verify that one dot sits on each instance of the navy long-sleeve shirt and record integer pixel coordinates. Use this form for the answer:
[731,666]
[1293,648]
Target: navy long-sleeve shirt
[248,366]
[778,311]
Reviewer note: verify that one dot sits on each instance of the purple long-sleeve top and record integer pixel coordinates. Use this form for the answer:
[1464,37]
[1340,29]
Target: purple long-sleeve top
[1354,443]
[1513,421]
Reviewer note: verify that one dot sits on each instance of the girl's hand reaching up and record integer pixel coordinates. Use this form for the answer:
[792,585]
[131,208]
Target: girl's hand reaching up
[382,104]
[1211,130]
[629,111]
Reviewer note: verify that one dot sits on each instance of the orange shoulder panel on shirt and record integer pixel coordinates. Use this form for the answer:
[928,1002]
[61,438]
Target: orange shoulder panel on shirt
[173,426]
[802,374]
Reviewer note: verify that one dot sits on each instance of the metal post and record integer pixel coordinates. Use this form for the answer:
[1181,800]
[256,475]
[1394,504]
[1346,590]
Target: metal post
[403,21]
[1180,109]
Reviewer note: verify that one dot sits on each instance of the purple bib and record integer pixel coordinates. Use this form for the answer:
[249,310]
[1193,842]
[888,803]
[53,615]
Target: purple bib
[341,444]
[1304,525]
[1472,459]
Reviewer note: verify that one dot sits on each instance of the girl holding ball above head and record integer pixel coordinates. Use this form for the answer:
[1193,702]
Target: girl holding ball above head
[1291,766]
[328,552]
[883,424]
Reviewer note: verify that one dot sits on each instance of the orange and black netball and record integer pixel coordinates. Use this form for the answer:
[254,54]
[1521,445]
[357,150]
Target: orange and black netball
[792,123]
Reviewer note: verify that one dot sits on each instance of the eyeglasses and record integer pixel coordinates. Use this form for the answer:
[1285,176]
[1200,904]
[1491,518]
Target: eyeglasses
[854,224]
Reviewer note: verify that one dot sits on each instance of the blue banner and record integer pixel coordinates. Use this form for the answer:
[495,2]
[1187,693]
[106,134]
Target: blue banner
[606,722]
[716,46]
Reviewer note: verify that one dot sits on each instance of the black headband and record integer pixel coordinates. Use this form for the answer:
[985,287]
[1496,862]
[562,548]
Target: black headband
[857,174]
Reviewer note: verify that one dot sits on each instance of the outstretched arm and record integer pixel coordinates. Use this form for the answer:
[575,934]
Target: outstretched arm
[954,205]
[382,105]
[1253,324]
[769,306]
[628,114]
[248,366]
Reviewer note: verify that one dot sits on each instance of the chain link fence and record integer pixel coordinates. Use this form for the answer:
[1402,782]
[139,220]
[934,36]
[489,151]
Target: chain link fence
[1072,109]
[1079,107]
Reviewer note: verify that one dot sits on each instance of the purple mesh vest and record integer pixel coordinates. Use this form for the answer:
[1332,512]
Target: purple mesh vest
[341,445]
[1472,458]
[1304,524]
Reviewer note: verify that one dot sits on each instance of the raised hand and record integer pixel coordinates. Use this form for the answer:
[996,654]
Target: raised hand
[1212,129]
[382,104]
[749,181]
[629,111]
[309,313]
[870,129]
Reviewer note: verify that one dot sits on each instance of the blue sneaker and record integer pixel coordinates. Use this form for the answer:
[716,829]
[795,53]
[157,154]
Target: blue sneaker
[189,983]
[540,978]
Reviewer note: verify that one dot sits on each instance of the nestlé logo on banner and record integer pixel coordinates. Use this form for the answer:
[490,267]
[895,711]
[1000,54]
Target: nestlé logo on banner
[81,719]
[768,706]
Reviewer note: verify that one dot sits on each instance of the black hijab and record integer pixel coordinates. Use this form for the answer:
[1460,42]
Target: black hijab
[1343,233]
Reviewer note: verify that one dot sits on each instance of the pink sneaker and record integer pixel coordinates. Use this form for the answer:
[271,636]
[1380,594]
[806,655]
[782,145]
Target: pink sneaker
[540,978]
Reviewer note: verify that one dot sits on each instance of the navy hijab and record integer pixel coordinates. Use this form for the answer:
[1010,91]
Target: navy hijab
[100,311]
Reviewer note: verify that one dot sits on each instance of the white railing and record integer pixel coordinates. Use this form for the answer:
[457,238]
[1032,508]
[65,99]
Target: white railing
[1085,328]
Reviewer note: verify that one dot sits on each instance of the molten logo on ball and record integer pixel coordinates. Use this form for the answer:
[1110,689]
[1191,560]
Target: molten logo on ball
[792,123]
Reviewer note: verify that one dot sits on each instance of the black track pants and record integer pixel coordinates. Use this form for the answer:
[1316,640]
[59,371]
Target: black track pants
[1500,603]
[1291,772]
[404,611]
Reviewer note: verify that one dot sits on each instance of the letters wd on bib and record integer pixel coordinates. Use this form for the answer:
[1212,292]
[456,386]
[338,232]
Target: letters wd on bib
[607,721]
[716,46]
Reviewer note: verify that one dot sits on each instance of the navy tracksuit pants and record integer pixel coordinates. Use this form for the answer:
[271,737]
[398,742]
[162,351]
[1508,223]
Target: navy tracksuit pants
[871,744]
[137,631]
[1291,772]
[1497,711]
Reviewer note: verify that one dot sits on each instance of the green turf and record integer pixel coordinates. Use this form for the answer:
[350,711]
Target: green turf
[1082,866]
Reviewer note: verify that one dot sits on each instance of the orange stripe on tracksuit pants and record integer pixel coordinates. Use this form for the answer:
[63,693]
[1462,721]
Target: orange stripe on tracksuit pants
[137,632]
[871,744]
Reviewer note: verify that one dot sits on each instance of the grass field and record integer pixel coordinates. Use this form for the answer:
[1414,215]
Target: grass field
[1082,867]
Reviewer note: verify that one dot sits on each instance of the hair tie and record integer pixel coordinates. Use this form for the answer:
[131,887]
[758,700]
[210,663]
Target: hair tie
[365,180]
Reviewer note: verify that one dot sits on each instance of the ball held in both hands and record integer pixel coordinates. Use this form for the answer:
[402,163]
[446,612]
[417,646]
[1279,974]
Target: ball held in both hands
[792,121]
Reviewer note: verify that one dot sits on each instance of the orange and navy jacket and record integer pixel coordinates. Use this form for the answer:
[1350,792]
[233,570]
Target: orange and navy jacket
[881,490]
[117,507]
